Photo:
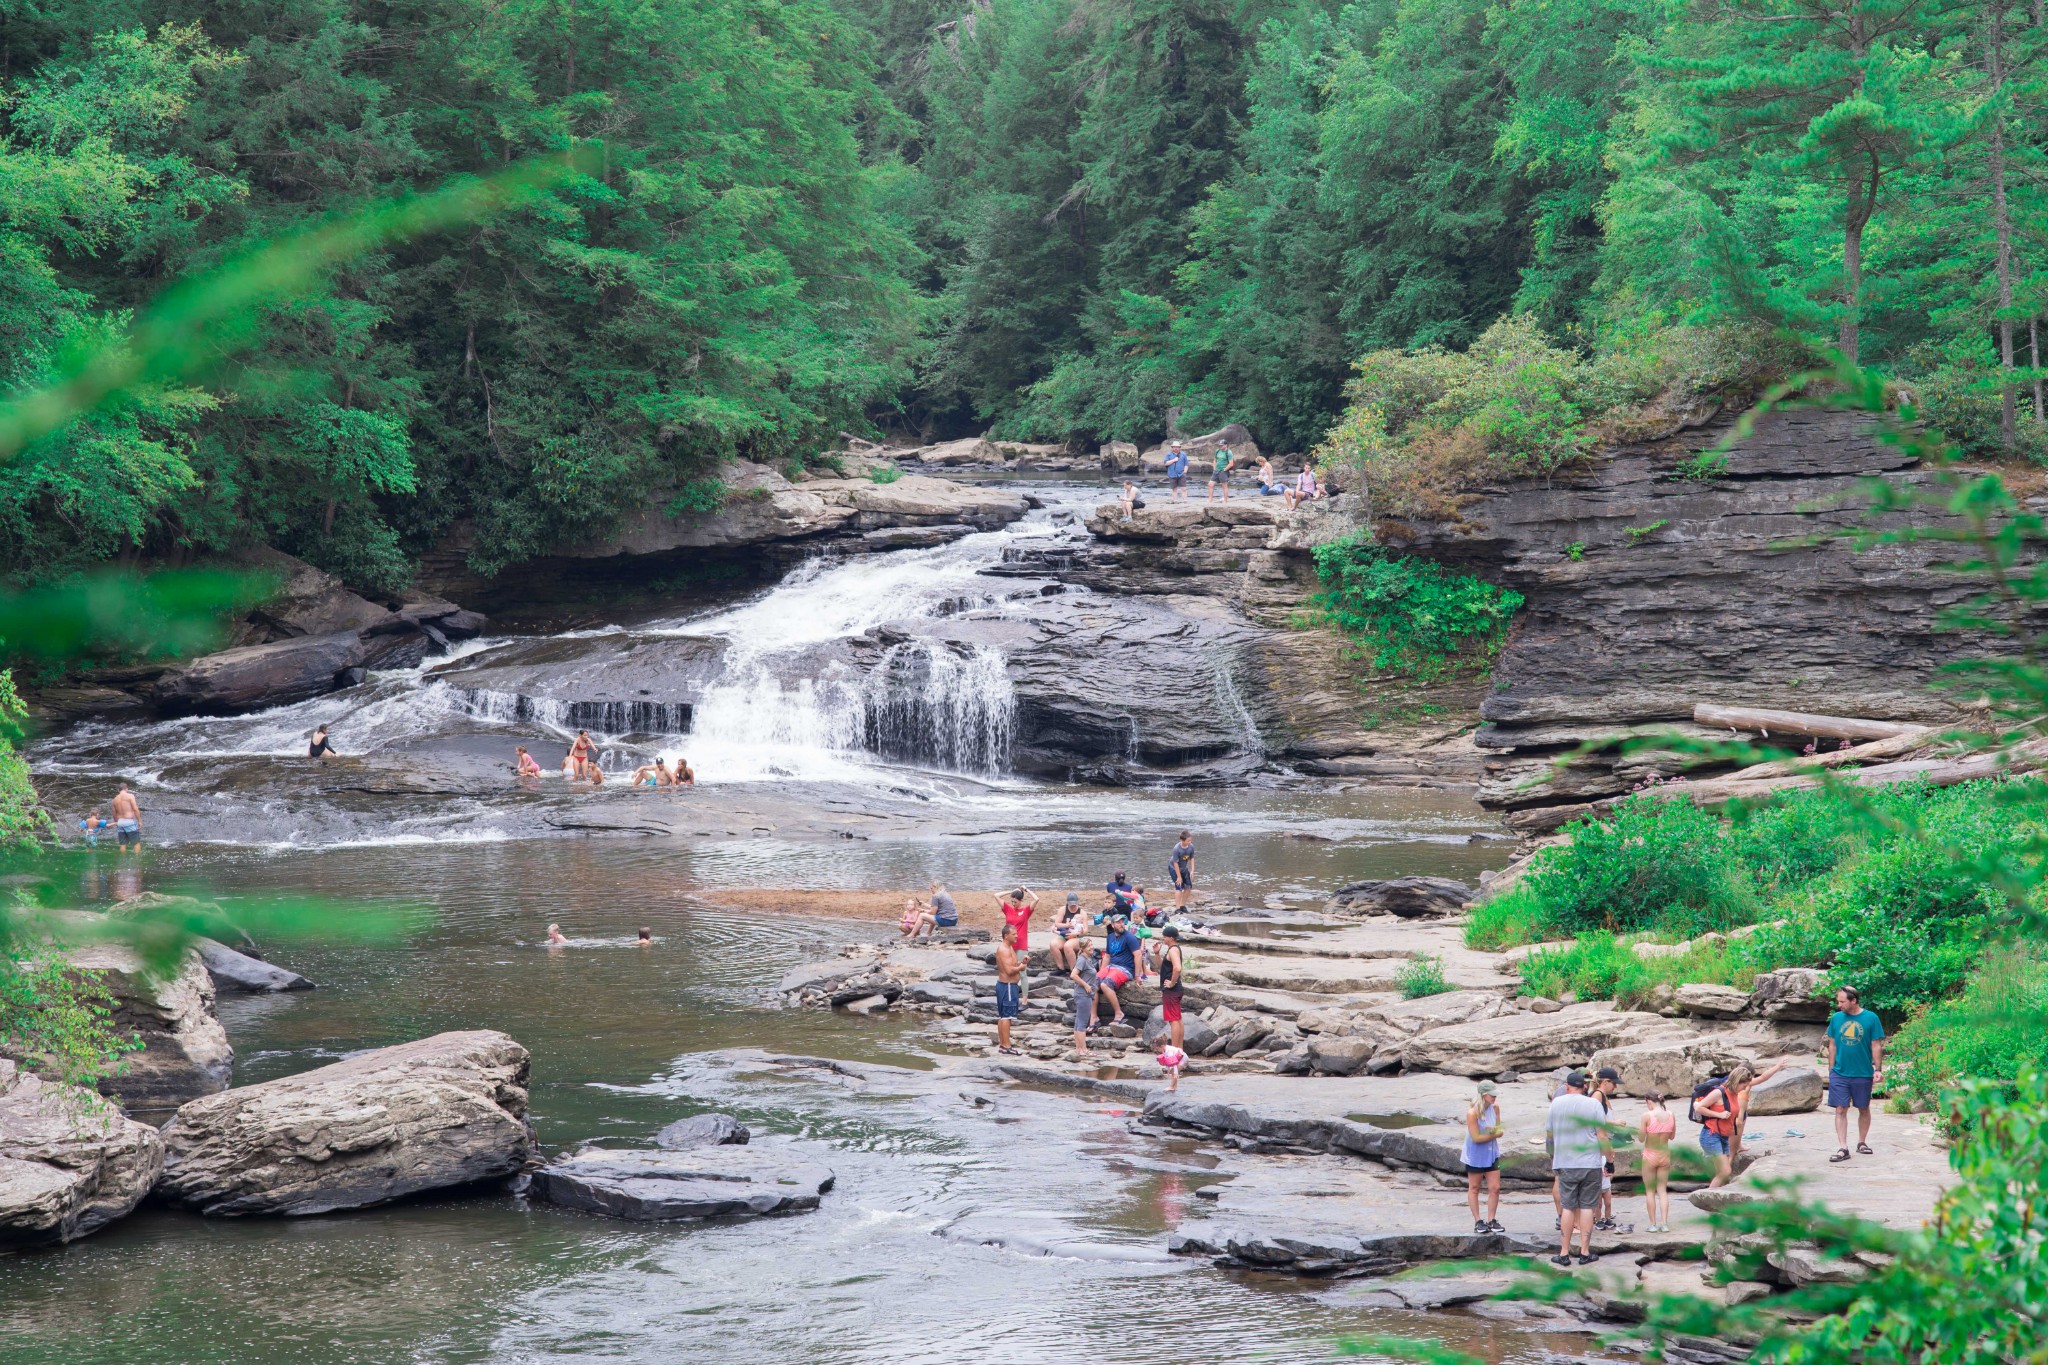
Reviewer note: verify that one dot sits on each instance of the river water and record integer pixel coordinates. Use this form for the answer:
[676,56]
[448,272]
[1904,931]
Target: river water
[1009,1225]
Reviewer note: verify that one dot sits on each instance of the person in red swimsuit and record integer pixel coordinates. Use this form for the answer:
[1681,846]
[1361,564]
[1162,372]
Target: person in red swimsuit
[1017,908]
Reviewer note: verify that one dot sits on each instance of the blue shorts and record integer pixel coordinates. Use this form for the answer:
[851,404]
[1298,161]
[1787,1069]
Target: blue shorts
[1009,999]
[1712,1143]
[1848,1092]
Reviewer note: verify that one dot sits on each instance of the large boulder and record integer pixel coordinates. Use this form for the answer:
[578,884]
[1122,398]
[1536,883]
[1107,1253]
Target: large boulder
[1668,1067]
[1408,897]
[185,1052]
[1339,1056]
[1795,1090]
[1528,1042]
[307,601]
[704,1182]
[1710,1000]
[442,1111]
[238,973]
[256,676]
[1792,995]
[969,450]
[1438,1011]
[69,1164]
[1196,1033]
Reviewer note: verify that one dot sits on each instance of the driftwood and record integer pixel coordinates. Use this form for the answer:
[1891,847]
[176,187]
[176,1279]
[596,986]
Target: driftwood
[1894,747]
[1936,772]
[1800,723]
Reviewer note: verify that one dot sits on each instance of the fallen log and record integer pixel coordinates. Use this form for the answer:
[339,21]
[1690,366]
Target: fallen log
[1936,772]
[1799,723]
[1894,747]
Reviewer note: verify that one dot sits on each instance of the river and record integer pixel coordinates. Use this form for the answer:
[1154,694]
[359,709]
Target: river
[1010,1226]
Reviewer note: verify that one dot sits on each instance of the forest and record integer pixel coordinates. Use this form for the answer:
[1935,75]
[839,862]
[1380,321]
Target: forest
[1064,220]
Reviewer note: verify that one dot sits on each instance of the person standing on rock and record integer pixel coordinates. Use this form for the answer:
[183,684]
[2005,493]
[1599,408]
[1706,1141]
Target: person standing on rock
[1578,1151]
[1482,1157]
[1017,908]
[1181,868]
[1219,477]
[1855,1057]
[1086,983]
[1176,473]
[579,756]
[1170,981]
[128,834]
[1658,1126]
[1606,1083]
[1009,988]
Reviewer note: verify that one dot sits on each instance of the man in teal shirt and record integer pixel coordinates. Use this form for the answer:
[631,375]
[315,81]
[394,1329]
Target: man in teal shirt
[1855,1055]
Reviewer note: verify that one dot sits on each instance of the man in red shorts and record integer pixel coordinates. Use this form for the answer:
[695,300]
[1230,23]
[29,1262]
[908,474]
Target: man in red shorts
[1170,983]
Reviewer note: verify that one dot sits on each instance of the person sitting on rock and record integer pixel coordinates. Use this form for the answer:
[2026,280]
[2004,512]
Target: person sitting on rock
[527,766]
[1269,484]
[945,914]
[1070,931]
[917,919]
[1132,502]
[1304,489]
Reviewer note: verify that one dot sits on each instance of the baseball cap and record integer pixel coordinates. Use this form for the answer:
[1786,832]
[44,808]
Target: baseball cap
[1486,1087]
[1170,931]
[1575,1079]
[1608,1073]
[1073,898]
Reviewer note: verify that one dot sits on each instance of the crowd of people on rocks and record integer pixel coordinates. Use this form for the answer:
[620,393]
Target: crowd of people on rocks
[581,764]
[1295,489]
[1140,941]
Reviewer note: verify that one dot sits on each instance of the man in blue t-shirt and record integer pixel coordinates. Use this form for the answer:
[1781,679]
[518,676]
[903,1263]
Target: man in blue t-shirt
[1177,472]
[1855,1056]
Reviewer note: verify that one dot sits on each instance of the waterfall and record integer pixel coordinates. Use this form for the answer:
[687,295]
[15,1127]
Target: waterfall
[600,717]
[943,710]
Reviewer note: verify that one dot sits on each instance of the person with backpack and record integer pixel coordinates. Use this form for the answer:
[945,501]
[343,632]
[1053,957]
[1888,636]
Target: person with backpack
[1720,1105]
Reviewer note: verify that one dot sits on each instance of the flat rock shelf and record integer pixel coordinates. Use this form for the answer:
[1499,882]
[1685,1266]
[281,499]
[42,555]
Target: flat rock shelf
[706,1182]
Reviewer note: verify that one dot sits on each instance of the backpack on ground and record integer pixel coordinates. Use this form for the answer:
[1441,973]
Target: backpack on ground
[1700,1092]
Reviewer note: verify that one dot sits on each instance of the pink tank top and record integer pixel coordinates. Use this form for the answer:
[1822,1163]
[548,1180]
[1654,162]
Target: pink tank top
[1660,1125]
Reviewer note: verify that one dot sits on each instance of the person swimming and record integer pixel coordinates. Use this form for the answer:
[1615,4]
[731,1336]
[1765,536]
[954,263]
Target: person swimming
[556,939]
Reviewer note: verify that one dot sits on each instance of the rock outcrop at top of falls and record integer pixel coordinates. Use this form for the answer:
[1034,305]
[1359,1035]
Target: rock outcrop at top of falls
[311,636]
[762,507]
[1736,589]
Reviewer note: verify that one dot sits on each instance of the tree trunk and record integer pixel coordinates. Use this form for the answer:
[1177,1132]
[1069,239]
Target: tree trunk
[1799,722]
[2001,226]
[1852,271]
[2034,363]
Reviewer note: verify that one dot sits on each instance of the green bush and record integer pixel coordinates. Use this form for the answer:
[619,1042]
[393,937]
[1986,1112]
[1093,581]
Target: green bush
[1410,615]
[1991,1030]
[700,496]
[887,473]
[1421,976]
[1653,864]
[1603,966]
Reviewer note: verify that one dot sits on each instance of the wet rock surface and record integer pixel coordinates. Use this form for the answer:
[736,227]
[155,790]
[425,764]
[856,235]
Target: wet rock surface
[69,1163]
[1408,897]
[701,1182]
[237,973]
[703,1130]
[443,1111]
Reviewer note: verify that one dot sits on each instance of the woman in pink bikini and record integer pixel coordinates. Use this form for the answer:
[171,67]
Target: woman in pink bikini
[1657,1125]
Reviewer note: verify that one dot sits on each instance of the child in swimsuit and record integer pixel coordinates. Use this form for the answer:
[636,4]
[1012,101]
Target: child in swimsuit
[1657,1126]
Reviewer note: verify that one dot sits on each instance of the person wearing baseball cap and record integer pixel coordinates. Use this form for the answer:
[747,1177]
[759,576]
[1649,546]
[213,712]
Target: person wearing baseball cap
[1482,1158]
[1606,1081]
[1579,1148]
[1170,984]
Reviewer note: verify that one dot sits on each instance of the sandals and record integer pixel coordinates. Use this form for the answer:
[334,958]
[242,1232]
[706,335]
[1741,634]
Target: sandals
[1863,1149]
[1842,1155]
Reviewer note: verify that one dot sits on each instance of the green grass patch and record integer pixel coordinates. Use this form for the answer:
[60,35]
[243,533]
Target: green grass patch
[887,473]
[1423,976]
[1410,616]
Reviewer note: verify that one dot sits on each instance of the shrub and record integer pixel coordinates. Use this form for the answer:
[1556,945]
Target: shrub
[699,495]
[1603,966]
[1410,615]
[1422,976]
[887,473]
[1991,1030]
[1653,864]
[1515,916]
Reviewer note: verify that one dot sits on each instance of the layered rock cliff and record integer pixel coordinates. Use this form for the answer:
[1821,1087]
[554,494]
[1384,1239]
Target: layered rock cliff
[1648,592]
